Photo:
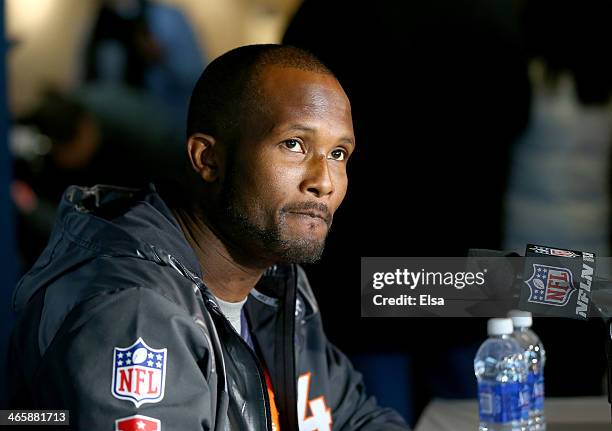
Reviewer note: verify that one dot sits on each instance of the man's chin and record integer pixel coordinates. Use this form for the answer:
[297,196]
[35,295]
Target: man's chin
[301,250]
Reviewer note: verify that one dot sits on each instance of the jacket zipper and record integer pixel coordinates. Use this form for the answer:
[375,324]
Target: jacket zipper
[172,261]
[288,420]
[260,373]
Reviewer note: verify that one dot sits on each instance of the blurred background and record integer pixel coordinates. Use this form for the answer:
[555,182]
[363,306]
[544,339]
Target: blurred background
[480,124]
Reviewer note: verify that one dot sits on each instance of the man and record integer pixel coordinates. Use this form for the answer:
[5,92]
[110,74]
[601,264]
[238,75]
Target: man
[189,311]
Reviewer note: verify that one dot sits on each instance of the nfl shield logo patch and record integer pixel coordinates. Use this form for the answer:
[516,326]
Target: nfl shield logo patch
[137,423]
[139,373]
[550,285]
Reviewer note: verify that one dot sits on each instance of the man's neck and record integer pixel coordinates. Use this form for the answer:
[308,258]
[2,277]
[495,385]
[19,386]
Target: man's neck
[226,278]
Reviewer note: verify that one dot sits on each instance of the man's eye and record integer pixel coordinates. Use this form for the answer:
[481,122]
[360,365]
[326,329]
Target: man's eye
[293,145]
[338,154]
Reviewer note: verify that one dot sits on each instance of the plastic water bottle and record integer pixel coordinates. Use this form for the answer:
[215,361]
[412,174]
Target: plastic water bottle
[536,358]
[501,371]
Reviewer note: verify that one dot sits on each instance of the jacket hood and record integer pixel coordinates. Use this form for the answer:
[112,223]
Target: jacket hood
[106,221]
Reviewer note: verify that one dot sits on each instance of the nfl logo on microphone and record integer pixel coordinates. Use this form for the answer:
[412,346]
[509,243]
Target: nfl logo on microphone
[557,282]
[139,373]
[550,285]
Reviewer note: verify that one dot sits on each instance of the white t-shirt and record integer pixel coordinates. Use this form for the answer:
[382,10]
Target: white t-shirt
[232,311]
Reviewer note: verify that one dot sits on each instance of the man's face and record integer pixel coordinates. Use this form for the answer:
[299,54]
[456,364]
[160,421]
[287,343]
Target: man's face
[287,176]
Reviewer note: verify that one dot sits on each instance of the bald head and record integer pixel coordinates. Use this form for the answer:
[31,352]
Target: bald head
[229,91]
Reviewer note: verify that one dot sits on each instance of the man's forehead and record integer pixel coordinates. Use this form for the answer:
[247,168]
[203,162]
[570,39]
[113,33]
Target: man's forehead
[294,88]
[288,96]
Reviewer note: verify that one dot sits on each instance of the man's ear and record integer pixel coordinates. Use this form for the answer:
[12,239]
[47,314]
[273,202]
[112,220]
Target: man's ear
[204,156]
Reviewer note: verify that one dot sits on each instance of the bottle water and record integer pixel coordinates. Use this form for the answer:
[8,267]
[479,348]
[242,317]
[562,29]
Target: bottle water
[501,371]
[536,358]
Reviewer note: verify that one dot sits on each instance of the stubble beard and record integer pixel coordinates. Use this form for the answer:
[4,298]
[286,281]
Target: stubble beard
[274,242]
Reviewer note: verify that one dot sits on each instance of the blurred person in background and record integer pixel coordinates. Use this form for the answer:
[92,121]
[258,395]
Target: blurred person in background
[559,190]
[53,148]
[123,125]
[146,46]
[86,138]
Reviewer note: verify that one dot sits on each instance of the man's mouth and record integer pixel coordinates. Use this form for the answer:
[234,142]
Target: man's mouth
[311,211]
[313,214]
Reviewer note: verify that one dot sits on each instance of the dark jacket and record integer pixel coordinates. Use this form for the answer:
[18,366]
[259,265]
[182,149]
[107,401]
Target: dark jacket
[118,280]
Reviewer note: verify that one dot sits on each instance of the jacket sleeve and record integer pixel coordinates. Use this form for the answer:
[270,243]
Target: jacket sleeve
[354,409]
[127,353]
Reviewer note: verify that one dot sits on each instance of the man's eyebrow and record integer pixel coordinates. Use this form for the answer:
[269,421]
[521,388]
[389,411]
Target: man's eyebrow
[348,140]
[301,127]
[345,139]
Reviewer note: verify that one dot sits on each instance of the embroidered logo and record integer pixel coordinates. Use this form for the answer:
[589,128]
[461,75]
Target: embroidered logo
[139,373]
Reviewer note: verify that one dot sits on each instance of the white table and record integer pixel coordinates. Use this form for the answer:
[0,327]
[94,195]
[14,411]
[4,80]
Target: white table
[562,414]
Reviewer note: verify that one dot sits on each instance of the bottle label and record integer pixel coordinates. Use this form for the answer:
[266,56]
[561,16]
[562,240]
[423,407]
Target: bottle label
[537,400]
[525,399]
[501,403]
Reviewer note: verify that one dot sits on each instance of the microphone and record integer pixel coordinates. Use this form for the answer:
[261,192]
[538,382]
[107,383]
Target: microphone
[548,281]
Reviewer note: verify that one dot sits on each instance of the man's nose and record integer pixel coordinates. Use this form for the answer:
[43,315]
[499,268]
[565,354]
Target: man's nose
[317,179]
